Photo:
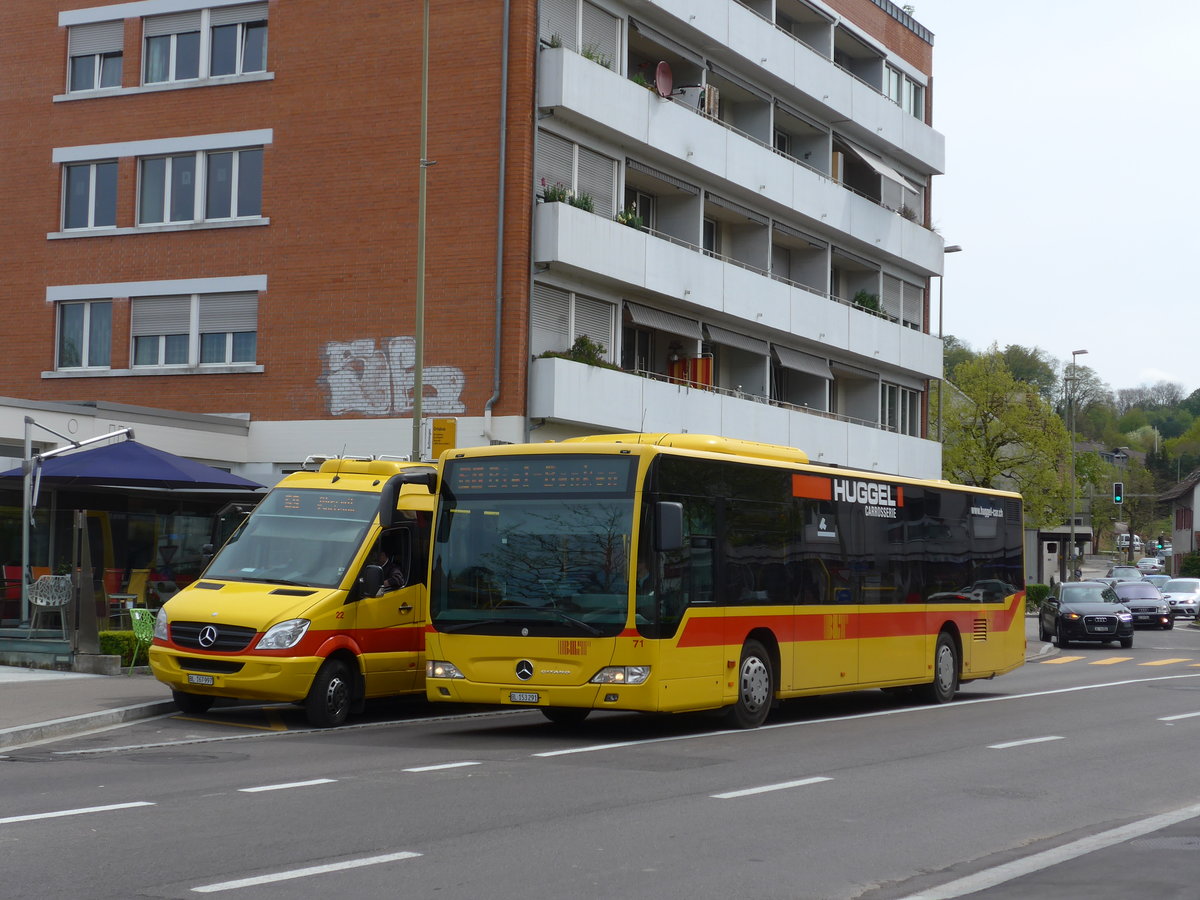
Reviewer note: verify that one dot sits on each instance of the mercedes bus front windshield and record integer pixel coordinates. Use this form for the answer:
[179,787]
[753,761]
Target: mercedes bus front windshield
[534,545]
[297,536]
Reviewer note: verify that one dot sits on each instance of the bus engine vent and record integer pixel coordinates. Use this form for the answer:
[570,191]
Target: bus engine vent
[981,630]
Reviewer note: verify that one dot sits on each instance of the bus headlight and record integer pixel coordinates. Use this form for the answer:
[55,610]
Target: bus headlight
[439,668]
[622,675]
[160,625]
[284,636]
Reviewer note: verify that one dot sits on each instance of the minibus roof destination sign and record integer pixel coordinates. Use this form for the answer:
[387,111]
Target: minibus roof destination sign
[561,473]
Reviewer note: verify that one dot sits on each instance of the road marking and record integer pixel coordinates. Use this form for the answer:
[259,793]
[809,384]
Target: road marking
[454,765]
[1110,661]
[1176,718]
[73,812]
[1059,660]
[1040,740]
[1018,868]
[899,711]
[284,787]
[1165,662]
[730,795]
[303,873]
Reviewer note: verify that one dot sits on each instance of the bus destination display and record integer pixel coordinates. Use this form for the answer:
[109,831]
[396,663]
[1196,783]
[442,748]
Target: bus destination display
[561,473]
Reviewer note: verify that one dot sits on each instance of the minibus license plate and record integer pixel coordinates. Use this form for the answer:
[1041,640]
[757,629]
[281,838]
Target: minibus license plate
[522,697]
[200,679]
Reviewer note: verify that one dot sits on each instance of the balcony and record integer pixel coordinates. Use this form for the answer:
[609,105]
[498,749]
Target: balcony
[764,47]
[598,399]
[638,262]
[658,129]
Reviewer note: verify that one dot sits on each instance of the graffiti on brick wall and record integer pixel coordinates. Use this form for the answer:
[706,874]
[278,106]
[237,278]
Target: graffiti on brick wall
[362,377]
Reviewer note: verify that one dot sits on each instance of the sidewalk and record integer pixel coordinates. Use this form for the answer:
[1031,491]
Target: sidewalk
[37,704]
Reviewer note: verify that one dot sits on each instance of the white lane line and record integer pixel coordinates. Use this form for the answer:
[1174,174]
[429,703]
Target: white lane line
[302,873]
[730,795]
[73,812]
[1044,860]
[438,768]
[284,787]
[1027,741]
[900,711]
[1177,718]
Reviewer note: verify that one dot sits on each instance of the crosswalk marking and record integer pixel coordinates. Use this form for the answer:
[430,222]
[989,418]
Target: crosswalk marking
[1113,660]
[1058,661]
[1164,662]
[1110,661]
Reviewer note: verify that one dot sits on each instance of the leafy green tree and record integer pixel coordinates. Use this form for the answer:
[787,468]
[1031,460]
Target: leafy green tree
[1001,433]
[1035,366]
[954,353]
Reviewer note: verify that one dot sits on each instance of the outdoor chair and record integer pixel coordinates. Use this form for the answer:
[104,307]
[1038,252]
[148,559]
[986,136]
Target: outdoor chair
[143,631]
[50,593]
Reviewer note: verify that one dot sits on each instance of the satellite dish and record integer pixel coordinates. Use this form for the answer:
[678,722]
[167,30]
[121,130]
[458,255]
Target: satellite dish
[662,79]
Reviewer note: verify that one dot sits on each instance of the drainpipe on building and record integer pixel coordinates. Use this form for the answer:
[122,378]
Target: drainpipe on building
[503,160]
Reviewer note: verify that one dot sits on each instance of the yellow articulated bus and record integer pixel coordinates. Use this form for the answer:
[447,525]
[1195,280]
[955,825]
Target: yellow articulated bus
[318,598]
[678,572]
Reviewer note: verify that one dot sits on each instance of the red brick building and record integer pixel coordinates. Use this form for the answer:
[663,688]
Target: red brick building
[213,210]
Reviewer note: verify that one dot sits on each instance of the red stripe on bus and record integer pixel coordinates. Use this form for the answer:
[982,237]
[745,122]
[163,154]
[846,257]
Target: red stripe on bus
[814,487]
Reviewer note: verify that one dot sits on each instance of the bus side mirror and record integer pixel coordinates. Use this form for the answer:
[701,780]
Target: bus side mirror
[668,525]
[390,495]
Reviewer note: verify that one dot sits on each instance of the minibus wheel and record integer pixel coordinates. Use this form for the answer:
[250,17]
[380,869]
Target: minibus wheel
[191,703]
[329,698]
[565,715]
[755,687]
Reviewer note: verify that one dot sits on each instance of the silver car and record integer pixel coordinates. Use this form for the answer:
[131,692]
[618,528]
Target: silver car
[1146,603]
[1183,596]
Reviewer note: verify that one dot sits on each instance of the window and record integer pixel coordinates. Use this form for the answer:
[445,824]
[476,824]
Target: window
[85,334]
[229,40]
[893,84]
[559,317]
[561,162]
[95,52]
[195,330]
[711,239]
[899,409]
[641,204]
[227,184]
[90,195]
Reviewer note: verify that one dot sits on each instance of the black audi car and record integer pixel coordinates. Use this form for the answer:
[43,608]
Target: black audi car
[1085,611]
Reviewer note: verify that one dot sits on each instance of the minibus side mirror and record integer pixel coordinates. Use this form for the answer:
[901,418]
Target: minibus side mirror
[668,525]
[370,580]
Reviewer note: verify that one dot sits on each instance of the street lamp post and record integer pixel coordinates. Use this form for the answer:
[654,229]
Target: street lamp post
[951,248]
[1071,416]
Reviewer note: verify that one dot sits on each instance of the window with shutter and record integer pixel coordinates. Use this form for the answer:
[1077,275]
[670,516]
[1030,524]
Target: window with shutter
[914,306]
[548,316]
[594,318]
[599,36]
[555,163]
[559,23]
[892,297]
[598,179]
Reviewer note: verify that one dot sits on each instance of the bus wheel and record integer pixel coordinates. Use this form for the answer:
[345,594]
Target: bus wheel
[191,703]
[565,715]
[756,687]
[329,698]
[945,673]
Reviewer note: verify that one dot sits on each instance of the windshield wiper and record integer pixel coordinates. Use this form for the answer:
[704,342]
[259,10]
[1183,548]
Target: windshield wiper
[271,581]
[480,623]
[578,623]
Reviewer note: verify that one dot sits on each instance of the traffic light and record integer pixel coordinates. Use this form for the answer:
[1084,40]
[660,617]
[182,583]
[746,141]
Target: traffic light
[1118,492]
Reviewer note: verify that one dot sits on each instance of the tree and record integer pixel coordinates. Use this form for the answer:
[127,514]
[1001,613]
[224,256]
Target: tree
[1035,366]
[954,352]
[1001,433]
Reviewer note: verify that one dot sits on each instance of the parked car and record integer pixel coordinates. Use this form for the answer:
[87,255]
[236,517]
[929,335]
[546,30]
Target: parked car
[1157,580]
[1146,603]
[1183,595]
[1149,565]
[1123,573]
[1085,611]
[1123,542]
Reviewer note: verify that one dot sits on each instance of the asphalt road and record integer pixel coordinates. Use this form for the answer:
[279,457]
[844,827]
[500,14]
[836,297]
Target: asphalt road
[1046,782]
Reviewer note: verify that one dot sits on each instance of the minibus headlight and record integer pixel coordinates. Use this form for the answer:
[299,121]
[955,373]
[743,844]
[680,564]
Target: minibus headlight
[439,668]
[284,636]
[160,625]
[622,675]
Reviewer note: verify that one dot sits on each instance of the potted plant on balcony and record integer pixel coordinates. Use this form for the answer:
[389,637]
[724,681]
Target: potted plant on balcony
[584,350]
[866,300]
[631,218]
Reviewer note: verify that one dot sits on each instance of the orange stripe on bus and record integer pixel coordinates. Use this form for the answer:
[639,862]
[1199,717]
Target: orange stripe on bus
[814,487]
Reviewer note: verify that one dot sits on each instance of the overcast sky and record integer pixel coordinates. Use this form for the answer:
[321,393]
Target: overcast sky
[1072,140]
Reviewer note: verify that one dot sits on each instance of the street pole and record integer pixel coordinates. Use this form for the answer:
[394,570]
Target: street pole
[952,248]
[419,336]
[1071,417]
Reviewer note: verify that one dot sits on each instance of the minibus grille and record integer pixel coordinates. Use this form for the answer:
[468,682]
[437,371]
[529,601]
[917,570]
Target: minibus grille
[201,636]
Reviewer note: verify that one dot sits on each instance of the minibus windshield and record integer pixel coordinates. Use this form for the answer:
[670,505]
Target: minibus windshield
[298,536]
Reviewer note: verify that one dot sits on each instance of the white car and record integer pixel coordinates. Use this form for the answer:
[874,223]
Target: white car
[1182,595]
[1149,565]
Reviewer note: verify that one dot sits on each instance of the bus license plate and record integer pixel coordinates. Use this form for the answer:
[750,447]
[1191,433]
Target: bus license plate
[200,679]
[522,697]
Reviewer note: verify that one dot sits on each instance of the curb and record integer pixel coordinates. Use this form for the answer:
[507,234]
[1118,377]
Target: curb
[10,738]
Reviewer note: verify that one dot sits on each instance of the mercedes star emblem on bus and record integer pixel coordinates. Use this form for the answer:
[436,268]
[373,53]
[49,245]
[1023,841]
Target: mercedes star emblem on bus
[524,670]
[208,636]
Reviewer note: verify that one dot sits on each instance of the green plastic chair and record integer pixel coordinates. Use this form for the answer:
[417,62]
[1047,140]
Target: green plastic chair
[143,630]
